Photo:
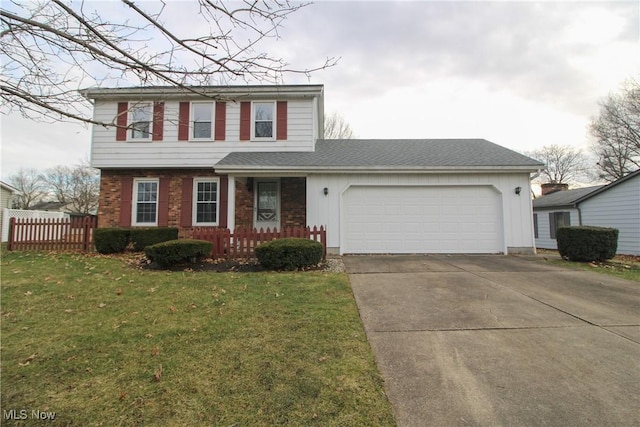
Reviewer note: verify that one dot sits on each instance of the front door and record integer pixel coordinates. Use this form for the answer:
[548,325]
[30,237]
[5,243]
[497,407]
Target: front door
[267,204]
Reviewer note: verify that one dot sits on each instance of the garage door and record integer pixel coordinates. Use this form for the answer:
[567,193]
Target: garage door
[392,219]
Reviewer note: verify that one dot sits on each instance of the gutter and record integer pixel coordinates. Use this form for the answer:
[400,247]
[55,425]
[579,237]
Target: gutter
[238,169]
[219,92]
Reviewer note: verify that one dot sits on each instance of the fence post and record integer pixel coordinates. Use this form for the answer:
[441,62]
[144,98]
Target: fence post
[12,223]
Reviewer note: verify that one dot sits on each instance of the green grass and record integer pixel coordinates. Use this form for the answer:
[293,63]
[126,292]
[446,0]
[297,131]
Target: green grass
[101,343]
[624,267]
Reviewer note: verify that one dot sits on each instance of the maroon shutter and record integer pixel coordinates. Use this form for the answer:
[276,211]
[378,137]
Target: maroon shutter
[126,195]
[281,117]
[163,202]
[158,121]
[245,121]
[121,121]
[183,122]
[224,200]
[185,208]
[221,121]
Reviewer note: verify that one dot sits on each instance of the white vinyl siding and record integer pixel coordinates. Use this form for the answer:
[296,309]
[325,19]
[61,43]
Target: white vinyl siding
[106,152]
[145,201]
[206,201]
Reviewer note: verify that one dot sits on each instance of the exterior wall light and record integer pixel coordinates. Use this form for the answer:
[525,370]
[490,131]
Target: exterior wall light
[518,189]
[325,191]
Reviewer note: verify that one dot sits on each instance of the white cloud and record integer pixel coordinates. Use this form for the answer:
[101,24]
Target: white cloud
[521,74]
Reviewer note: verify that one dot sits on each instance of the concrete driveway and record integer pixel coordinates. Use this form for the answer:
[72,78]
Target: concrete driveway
[500,340]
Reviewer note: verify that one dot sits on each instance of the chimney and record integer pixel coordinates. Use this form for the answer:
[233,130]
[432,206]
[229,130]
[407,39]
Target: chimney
[552,187]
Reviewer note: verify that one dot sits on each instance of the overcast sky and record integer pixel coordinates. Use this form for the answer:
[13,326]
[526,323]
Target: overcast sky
[520,74]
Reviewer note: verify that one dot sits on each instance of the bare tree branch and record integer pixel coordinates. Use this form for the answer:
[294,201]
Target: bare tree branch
[336,127]
[31,188]
[565,164]
[51,49]
[616,133]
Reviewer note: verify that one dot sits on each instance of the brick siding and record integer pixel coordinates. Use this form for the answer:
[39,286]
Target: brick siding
[292,193]
[293,207]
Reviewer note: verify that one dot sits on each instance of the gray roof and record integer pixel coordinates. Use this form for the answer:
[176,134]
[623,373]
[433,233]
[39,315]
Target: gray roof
[563,198]
[380,154]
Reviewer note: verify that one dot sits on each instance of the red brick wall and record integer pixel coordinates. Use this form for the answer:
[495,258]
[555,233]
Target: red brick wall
[293,196]
[244,204]
[110,187]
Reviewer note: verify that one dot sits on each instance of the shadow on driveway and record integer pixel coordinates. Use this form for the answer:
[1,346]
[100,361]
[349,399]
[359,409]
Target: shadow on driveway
[500,340]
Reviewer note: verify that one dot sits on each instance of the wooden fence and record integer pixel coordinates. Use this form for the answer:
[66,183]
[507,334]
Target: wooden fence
[242,242]
[51,234]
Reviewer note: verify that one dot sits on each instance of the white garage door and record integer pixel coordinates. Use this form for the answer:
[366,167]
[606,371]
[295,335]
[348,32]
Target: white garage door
[392,219]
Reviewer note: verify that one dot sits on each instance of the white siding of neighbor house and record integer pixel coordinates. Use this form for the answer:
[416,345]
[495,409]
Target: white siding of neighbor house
[618,207]
[6,198]
[544,240]
[106,152]
[517,220]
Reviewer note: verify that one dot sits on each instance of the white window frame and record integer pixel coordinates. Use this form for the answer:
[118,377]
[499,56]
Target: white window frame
[134,202]
[132,107]
[194,201]
[273,125]
[192,117]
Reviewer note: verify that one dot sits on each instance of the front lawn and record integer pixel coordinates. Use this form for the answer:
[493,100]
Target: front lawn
[100,343]
[622,266]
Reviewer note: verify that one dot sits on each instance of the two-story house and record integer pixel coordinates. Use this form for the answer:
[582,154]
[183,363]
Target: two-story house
[253,156]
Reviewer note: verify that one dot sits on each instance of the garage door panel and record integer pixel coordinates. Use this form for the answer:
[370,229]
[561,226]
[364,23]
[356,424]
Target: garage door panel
[388,219]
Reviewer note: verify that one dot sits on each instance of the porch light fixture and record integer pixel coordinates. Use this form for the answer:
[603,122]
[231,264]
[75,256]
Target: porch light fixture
[325,191]
[518,189]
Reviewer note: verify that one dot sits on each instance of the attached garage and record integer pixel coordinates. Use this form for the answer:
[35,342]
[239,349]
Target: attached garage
[406,196]
[422,219]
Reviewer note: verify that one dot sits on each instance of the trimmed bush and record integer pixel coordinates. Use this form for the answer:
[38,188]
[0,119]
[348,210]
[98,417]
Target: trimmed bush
[289,253]
[111,240]
[587,243]
[174,252]
[143,237]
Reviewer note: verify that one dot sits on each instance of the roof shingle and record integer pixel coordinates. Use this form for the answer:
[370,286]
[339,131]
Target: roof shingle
[386,153]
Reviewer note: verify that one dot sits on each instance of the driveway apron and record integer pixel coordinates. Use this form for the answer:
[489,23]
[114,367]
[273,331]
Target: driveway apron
[500,340]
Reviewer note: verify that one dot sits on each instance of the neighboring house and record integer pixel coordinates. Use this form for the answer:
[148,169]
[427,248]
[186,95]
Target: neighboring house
[615,205]
[253,156]
[6,201]
[67,208]
[51,207]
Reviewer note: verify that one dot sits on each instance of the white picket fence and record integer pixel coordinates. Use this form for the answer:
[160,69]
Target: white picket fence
[7,214]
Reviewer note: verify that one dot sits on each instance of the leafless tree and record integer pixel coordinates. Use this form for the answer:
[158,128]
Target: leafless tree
[77,187]
[336,127]
[616,132]
[50,49]
[31,188]
[565,164]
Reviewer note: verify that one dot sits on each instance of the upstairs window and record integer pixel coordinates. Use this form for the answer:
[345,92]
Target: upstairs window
[205,201]
[145,202]
[263,123]
[202,120]
[140,120]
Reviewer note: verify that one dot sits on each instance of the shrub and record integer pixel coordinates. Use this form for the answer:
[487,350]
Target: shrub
[143,237]
[111,240]
[289,253]
[587,243]
[174,252]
